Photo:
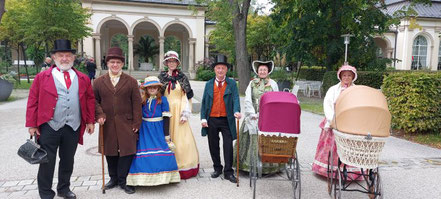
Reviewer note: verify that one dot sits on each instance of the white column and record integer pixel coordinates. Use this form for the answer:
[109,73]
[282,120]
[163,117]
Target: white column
[130,40]
[184,55]
[161,52]
[405,64]
[437,49]
[207,44]
[191,70]
[98,58]
[80,47]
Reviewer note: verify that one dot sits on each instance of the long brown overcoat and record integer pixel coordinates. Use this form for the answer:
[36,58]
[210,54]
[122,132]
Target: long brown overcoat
[121,107]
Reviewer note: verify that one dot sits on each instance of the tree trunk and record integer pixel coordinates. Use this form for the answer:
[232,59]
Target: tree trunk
[18,63]
[25,64]
[2,8]
[240,13]
[6,56]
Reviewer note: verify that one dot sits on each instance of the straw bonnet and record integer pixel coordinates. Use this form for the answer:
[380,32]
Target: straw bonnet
[115,53]
[257,63]
[171,55]
[347,68]
[151,81]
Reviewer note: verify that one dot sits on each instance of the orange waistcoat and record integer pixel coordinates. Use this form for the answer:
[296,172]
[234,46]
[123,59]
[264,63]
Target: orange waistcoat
[218,107]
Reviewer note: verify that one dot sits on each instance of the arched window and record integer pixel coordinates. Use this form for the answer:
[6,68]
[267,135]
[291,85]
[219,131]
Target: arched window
[439,57]
[419,53]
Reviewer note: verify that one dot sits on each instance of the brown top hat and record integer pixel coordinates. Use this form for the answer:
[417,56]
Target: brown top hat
[115,53]
[62,45]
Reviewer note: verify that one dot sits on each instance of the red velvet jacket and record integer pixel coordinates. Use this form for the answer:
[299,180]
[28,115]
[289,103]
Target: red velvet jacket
[43,99]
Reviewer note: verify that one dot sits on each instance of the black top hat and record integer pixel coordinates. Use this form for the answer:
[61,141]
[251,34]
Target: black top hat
[62,45]
[221,59]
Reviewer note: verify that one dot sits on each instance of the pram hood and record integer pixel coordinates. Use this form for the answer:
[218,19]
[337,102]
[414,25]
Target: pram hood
[360,110]
[279,112]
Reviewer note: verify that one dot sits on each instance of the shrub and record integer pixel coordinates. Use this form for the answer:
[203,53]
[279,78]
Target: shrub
[414,101]
[373,79]
[329,79]
[314,73]
[8,77]
[204,74]
[281,75]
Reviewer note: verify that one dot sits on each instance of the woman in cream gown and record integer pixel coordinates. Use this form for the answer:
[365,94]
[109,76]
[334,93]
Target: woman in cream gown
[177,89]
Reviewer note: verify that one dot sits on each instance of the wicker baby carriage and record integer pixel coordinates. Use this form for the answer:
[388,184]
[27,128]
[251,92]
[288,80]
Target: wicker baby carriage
[279,127]
[361,126]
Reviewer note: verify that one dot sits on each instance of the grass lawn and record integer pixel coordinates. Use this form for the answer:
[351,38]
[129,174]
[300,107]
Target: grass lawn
[432,140]
[23,84]
[313,105]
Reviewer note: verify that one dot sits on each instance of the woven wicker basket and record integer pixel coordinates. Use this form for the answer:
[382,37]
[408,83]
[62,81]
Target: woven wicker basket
[359,151]
[276,149]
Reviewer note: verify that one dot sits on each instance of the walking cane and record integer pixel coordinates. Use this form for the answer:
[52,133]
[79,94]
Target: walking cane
[237,152]
[101,135]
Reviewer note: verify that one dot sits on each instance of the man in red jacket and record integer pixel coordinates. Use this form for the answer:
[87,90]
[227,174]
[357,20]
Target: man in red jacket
[61,106]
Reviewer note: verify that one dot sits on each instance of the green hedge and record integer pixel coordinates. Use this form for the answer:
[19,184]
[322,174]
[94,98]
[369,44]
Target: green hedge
[414,101]
[369,78]
[314,73]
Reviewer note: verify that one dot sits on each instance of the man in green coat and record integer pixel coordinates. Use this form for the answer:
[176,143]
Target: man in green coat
[220,107]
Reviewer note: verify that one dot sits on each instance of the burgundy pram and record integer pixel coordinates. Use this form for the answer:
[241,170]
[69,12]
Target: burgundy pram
[279,127]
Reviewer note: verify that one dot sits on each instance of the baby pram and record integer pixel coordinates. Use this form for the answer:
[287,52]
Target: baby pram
[279,127]
[361,126]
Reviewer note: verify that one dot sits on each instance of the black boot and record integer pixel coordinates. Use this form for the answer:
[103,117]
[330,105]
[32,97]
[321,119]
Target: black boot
[231,178]
[128,189]
[216,174]
[111,184]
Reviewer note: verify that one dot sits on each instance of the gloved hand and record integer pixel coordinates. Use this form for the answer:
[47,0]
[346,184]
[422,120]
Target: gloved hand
[254,116]
[171,145]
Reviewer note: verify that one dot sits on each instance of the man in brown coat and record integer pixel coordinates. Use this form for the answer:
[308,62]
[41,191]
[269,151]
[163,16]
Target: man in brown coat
[118,108]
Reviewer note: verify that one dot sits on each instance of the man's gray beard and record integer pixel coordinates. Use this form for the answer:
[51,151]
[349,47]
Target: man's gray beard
[63,67]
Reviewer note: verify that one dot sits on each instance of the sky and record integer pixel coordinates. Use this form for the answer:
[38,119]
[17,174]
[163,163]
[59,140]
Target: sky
[266,4]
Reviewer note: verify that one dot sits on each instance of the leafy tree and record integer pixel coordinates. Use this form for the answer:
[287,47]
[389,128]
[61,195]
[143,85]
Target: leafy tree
[239,13]
[13,27]
[146,48]
[172,43]
[120,40]
[311,30]
[222,37]
[56,19]
[260,41]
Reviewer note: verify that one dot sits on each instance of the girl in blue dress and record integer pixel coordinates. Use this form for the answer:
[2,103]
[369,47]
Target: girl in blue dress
[154,162]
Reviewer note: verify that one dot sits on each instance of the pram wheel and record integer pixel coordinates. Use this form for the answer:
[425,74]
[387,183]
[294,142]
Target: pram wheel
[295,176]
[337,183]
[376,185]
[253,173]
[334,177]
[330,174]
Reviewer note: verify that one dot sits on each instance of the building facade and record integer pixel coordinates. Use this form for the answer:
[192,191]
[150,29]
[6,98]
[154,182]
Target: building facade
[414,43]
[157,19]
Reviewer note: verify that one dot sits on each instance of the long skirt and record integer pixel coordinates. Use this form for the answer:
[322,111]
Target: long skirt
[248,146]
[187,155]
[327,143]
[154,163]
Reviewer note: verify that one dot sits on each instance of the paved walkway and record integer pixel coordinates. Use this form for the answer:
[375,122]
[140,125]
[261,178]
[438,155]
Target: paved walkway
[408,170]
